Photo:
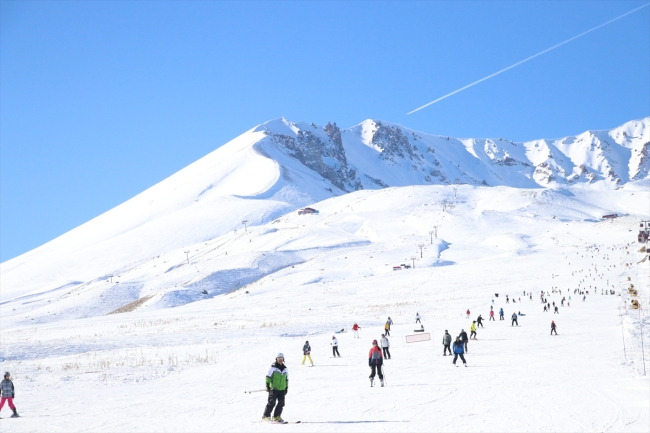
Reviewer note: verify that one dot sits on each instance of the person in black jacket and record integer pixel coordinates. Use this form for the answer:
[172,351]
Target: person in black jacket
[514,320]
[464,339]
[479,321]
[446,342]
[306,353]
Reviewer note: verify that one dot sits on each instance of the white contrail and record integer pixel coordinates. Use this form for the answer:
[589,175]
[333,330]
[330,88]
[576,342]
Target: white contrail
[527,59]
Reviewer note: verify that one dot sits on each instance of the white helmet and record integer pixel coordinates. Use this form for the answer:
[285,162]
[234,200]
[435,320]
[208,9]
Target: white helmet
[280,355]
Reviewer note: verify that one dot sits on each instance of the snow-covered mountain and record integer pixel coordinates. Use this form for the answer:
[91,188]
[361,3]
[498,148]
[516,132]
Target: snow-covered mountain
[281,165]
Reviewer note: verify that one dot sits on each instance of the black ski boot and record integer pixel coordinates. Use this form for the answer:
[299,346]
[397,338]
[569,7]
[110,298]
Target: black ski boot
[15,415]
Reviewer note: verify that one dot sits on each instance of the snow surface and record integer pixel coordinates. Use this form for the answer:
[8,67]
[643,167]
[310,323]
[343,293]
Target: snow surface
[190,336]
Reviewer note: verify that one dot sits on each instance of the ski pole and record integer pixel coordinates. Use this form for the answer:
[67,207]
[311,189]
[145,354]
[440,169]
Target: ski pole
[256,390]
[384,373]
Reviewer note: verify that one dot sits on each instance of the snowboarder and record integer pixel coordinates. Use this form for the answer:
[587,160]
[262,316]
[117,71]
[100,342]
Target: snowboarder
[387,328]
[553,327]
[458,351]
[464,339]
[277,385]
[479,321]
[556,311]
[355,329]
[501,314]
[375,362]
[472,330]
[8,394]
[306,353]
[419,330]
[491,315]
[514,320]
[385,346]
[417,318]
[446,342]
[467,314]
[335,347]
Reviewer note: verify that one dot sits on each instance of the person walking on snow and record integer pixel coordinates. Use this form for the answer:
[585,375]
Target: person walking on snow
[553,327]
[514,320]
[479,321]
[467,314]
[472,330]
[306,353]
[387,328]
[277,385]
[335,347]
[355,329]
[385,346]
[491,315]
[8,394]
[458,351]
[556,311]
[417,318]
[464,339]
[446,342]
[501,314]
[375,362]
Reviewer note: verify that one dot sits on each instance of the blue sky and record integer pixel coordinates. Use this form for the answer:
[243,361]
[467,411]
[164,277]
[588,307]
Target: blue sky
[101,100]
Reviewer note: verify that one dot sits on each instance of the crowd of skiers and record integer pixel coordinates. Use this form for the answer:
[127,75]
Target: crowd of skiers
[277,378]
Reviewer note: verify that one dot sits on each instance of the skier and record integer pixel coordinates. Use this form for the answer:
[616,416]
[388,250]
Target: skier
[556,311]
[375,361]
[277,385]
[514,320]
[355,329]
[446,342]
[472,329]
[507,299]
[417,318]
[491,315]
[335,347]
[8,394]
[479,321]
[584,298]
[545,309]
[464,339]
[306,353]
[387,328]
[467,314]
[553,327]
[458,351]
[390,322]
[501,314]
[385,346]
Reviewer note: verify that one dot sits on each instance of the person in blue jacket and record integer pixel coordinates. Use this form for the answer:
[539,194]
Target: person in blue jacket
[458,349]
[501,314]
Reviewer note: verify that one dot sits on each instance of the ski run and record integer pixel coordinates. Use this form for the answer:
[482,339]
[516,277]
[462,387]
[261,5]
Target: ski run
[197,323]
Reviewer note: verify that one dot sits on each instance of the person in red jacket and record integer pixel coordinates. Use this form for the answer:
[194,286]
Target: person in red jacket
[491,315]
[375,361]
[467,313]
[356,328]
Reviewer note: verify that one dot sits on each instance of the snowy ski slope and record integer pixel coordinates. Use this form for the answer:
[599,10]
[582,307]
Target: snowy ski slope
[110,328]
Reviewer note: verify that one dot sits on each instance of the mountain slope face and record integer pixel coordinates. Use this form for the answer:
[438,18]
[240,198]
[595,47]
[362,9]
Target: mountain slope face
[281,165]
[376,154]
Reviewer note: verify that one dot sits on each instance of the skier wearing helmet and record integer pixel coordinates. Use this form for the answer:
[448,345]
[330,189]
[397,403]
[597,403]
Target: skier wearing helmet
[375,361]
[277,385]
[8,394]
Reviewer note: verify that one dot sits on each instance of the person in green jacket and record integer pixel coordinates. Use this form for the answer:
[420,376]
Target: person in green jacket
[277,385]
